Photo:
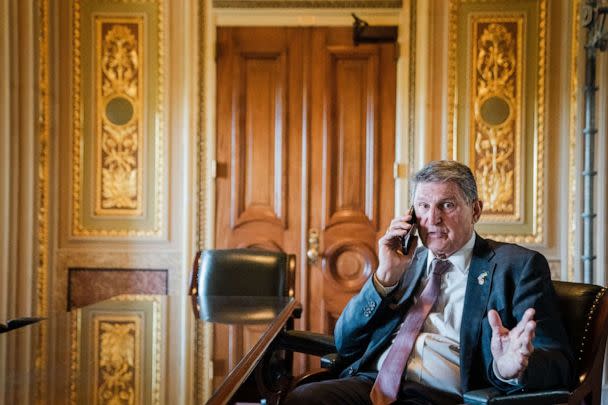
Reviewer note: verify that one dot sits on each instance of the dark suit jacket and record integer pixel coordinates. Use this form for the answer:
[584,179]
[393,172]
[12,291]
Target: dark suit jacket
[515,279]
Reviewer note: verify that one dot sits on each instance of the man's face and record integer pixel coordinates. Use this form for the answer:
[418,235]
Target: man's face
[445,219]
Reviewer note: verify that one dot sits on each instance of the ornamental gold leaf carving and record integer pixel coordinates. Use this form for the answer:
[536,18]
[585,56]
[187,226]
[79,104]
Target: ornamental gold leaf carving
[117,362]
[119,62]
[496,100]
[120,127]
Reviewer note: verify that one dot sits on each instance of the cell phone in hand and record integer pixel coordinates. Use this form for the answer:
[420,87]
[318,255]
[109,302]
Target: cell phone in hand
[407,239]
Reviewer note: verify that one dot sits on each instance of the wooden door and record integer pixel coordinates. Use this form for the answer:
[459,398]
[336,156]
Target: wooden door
[305,141]
[351,184]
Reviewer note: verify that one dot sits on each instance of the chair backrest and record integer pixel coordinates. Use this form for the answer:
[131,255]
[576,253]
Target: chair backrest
[584,309]
[243,272]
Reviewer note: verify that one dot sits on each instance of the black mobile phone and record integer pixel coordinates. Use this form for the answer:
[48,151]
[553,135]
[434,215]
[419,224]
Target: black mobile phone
[407,240]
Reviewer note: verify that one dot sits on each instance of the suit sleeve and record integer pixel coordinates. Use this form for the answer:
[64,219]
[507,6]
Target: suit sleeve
[359,320]
[552,362]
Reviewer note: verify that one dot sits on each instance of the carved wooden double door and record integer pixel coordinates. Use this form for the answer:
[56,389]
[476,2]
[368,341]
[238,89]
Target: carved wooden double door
[305,152]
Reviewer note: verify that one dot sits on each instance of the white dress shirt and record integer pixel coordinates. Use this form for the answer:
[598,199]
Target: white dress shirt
[435,357]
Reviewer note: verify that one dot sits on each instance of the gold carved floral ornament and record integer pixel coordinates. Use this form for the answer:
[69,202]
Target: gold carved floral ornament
[117,360]
[495,115]
[119,119]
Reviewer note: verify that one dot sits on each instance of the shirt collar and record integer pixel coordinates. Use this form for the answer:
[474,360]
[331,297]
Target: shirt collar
[461,259]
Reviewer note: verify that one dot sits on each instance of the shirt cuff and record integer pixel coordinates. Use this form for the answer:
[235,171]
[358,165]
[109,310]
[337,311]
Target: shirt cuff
[382,290]
[512,381]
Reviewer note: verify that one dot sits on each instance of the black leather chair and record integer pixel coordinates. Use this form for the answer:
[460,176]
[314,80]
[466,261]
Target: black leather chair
[246,273]
[584,308]
[243,272]
[239,273]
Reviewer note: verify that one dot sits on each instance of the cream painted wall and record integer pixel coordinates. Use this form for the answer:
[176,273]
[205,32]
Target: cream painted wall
[18,178]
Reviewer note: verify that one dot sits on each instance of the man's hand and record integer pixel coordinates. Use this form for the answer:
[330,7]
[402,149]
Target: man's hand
[512,348]
[393,262]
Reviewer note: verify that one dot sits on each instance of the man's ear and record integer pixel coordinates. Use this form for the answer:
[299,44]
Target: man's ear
[477,208]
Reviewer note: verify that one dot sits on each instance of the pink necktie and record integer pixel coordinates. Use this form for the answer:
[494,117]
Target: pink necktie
[389,378]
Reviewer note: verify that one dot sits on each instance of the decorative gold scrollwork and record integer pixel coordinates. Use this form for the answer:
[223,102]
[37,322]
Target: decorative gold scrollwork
[495,120]
[119,118]
[116,383]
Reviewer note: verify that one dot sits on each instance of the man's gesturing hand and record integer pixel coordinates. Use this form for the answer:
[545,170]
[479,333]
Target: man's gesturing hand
[393,263]
[512,348]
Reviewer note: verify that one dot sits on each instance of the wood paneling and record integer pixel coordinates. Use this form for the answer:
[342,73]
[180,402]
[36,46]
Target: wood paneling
[258,183]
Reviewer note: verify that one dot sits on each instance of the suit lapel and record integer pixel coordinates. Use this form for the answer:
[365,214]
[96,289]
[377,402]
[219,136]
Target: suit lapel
[479,283]
[412,276]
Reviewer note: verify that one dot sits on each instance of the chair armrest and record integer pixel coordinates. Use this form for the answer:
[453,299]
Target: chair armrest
[332,361]
[494,396]
[316,344]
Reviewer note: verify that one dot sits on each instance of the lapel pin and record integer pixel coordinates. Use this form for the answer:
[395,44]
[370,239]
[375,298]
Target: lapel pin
[482,278]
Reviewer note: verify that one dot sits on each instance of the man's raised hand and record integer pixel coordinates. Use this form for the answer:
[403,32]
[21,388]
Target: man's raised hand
[512,348]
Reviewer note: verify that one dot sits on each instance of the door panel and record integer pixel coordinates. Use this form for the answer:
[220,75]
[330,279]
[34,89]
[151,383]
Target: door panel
[305,140]
[351,186]
[257,137]
[259,183]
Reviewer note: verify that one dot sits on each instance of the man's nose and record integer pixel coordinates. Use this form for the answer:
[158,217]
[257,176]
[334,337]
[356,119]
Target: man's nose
[434,216]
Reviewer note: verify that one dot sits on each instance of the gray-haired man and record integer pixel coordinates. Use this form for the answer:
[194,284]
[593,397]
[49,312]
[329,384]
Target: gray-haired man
[492,320]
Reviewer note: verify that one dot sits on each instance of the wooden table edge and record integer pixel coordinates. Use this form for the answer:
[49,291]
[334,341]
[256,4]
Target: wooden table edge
[245,367]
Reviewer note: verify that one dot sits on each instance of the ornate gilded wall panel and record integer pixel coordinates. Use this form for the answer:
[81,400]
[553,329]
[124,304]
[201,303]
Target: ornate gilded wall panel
[497,109]
[119,131]
[118,157]
[116,344]
[496,72]
[115,352]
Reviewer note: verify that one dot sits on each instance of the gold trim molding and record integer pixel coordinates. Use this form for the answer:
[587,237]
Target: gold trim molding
[307,4]
[128,196]
[203,369]
[573,135]
[509,165]
[43,193]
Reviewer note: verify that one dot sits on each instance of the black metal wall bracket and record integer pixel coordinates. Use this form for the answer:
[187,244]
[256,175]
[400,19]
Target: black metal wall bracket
[363,33]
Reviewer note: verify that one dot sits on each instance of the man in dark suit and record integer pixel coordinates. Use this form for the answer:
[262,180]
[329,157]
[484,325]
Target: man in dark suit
[492,318]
